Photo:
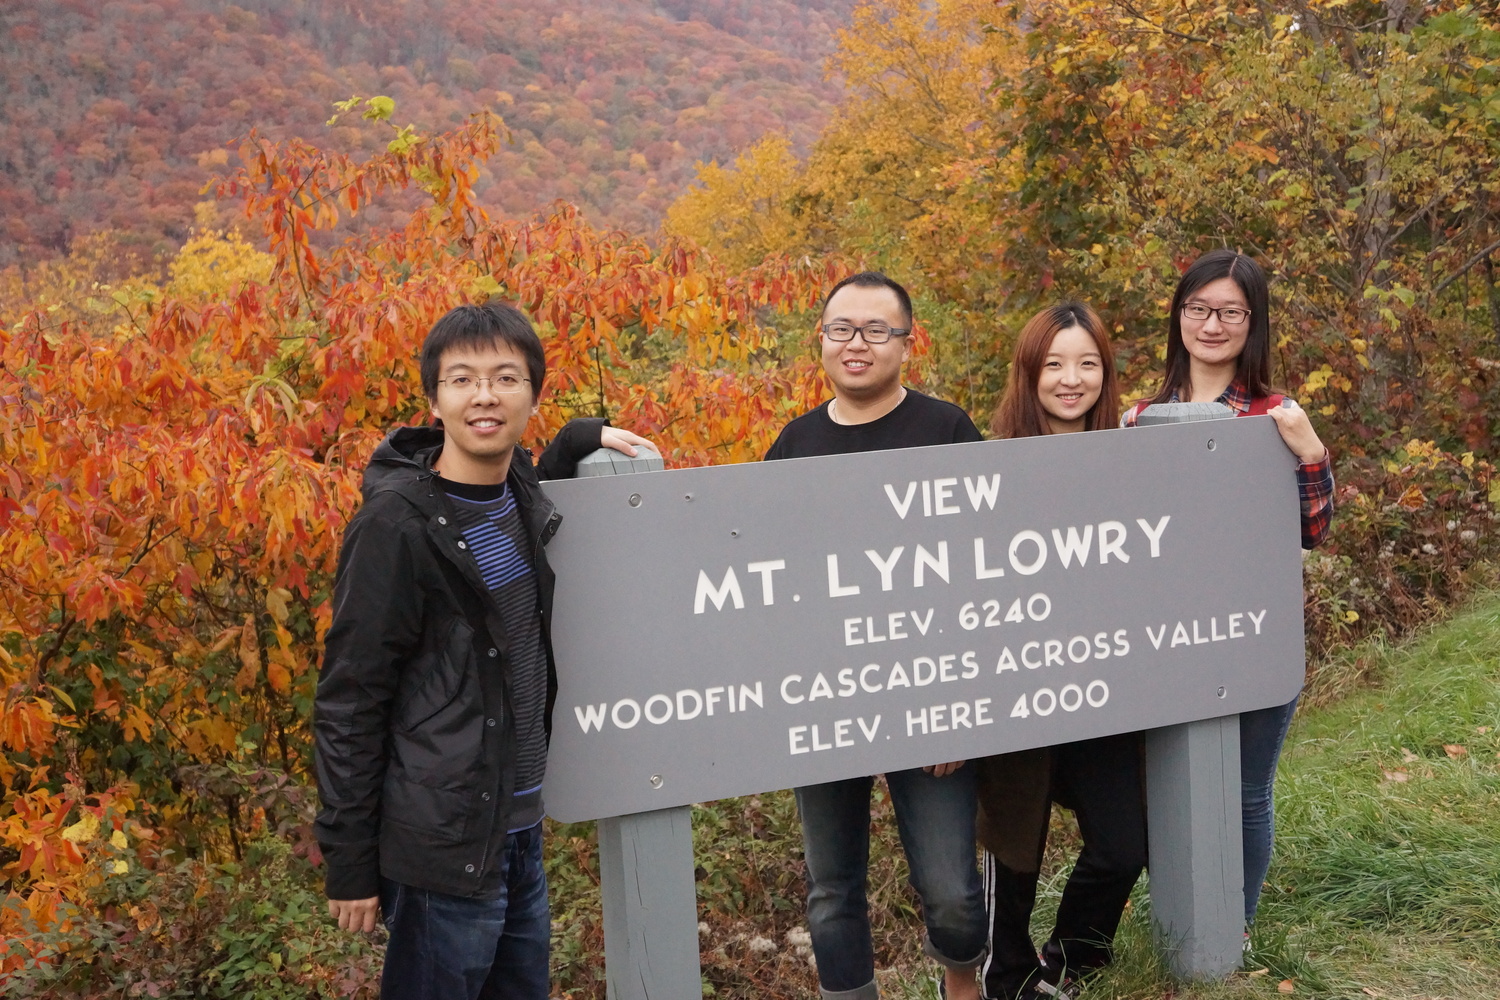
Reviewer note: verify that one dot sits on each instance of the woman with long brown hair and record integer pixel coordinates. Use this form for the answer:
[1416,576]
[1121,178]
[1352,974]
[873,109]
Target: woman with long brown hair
[1062,380]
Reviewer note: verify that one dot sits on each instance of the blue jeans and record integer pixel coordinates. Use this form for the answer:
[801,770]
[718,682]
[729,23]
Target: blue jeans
[1262,733]
[449,947]
[935,817]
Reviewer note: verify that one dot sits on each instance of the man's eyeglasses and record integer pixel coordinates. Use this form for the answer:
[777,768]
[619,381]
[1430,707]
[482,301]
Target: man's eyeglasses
[874,333]
[467,385]
[1228,315]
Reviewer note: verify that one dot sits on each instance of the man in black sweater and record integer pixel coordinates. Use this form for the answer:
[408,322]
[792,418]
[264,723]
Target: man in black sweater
[433,706]
[866,323]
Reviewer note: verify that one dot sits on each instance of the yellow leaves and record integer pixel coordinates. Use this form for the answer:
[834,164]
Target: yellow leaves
[1316,380]
[83,831]
[137,723]
[379,109]
[213,264]
[483,287]
[118,840]
[212,732]
[1255,152]
[1351,616]
[276,603]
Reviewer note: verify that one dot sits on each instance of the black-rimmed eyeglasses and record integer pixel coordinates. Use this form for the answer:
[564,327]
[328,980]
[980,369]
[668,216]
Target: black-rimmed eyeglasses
[1228,315]
[874,333]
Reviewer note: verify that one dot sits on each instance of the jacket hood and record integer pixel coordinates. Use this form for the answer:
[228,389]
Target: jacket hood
[406,455]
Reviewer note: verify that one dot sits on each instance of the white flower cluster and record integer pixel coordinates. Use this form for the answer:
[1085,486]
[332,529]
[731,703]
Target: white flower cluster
[800,941]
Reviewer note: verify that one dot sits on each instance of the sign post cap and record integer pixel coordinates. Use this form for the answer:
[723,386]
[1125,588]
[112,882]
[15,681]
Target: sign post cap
[608,462]
[1179,413]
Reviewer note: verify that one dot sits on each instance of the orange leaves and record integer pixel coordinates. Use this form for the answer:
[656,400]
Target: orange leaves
[249,654]
[175,482]
[1412,499]
[27,723]
[53,835]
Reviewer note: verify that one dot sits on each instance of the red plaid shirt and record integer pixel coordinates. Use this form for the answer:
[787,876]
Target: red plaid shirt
[1314,480]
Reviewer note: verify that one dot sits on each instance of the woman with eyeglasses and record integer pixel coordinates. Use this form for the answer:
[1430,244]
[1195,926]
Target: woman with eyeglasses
[1219,350]
[1062,380]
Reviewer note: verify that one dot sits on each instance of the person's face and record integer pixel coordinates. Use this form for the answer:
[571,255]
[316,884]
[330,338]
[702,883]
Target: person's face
[858,369]
[1211,341]
[481,424]
[1071,379]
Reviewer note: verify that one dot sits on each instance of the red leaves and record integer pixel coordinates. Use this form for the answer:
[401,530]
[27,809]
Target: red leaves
[176,487]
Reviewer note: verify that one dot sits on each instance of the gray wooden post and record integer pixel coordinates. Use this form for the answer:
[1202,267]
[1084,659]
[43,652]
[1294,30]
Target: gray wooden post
[650,906]
[1197,864]
[1193,819]
[646,867]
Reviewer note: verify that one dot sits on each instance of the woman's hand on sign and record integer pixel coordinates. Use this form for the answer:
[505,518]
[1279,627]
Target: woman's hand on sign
[1297,432]
[624,441]
[355,914]
[943,770]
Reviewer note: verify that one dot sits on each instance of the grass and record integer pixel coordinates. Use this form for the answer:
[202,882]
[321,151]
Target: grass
[1385,882]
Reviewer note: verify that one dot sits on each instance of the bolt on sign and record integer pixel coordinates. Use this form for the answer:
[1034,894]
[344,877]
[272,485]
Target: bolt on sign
[735,629]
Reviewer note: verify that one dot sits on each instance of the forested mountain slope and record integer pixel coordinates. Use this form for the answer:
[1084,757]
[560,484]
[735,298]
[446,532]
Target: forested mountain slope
[116,113]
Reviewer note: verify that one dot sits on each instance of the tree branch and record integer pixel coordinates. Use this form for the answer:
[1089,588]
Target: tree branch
[1473,261]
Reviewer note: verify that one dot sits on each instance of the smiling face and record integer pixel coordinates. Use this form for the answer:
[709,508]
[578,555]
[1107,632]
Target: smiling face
[863,372]
[1211,342]
[481,428]
[1071,379]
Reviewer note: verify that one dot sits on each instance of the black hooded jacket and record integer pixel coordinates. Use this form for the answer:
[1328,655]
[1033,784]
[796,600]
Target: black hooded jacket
[415,737]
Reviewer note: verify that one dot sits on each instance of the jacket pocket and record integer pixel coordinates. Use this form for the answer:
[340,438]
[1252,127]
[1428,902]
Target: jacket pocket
[428,692]
[413,814]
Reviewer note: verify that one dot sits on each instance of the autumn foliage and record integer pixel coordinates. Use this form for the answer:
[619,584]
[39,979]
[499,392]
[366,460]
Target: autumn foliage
[1000,156]
[118,111]
[181,443]
[180,461]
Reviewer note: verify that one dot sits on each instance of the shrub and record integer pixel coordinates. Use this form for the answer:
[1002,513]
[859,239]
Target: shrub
[257,930]
[1412,535]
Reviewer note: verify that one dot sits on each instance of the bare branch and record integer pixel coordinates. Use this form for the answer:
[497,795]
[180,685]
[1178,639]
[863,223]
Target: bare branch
[1472,262]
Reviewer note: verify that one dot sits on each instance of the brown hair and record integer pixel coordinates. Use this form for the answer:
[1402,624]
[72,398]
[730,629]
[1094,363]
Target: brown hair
[1020,412]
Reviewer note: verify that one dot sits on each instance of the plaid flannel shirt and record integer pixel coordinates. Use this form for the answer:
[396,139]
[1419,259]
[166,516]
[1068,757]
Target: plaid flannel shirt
[1314,480]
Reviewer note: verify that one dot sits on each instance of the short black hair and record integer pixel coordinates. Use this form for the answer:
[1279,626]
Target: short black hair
[486,325]
[872,279]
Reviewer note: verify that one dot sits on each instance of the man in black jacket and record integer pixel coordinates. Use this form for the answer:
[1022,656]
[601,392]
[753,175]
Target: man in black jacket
[434,703]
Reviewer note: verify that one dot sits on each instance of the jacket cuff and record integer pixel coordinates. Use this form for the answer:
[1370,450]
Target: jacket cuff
[578,439]
[352,882]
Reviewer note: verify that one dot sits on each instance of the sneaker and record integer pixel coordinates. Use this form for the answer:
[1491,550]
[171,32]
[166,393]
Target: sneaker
[1067,987]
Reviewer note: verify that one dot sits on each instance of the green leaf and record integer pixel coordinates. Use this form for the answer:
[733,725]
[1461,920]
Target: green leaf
[379,109]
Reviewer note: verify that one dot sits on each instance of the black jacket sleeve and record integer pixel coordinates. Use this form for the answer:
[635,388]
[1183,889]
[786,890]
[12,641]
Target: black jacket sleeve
[377,621]
[578,439]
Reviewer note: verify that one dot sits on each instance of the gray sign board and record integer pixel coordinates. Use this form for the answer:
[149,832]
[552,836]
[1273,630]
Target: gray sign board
[736,629]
